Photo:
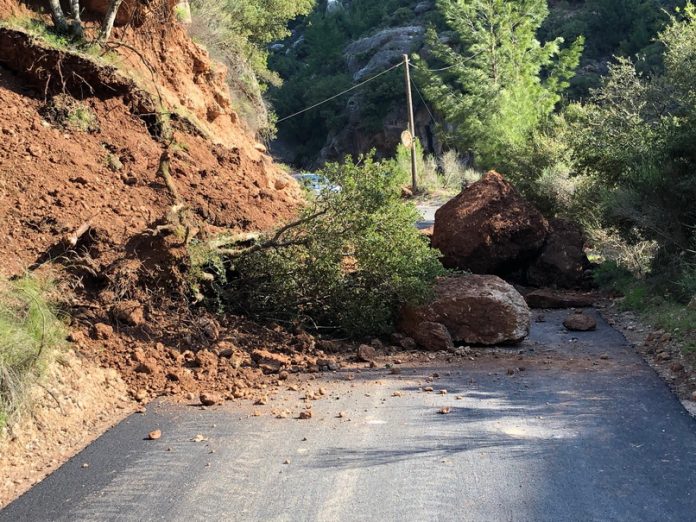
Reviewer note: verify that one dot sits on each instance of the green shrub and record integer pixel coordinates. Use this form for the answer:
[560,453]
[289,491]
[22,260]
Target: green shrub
[30,332]
[349,263]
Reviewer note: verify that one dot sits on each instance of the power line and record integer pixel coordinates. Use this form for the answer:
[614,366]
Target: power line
[423,100]
[340,93]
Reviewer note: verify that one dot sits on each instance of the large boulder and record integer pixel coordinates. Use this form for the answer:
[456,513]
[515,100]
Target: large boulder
[562,262]
[489,228]
[475,309]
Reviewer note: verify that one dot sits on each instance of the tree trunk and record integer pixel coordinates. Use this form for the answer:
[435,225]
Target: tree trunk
[76,25]
[58,16]
[109,19]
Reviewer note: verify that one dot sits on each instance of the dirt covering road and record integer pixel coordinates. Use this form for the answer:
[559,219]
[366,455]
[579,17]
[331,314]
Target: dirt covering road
[567,426]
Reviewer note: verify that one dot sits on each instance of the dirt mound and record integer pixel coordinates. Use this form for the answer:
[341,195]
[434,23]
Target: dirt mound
[488,228]
[86,139]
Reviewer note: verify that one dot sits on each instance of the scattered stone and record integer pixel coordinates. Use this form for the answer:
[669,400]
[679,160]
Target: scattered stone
[199,438]
[85,465]
[579,322]
[102,331]
[510,371]
[305,414]
[210,399]
[409,344]
[433,336]
[366,353]
[397,394]
[676,367]
[342,415]
[154,435]
[664,356]
[445,410]
[141,395]
[287,461]
[604,357]
[428,389]
[693,396]
[395,371]
[443,392]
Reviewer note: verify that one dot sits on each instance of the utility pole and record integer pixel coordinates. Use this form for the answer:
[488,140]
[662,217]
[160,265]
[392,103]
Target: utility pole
[411,124]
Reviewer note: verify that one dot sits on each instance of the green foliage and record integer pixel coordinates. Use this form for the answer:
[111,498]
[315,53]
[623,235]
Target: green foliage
[636,139]
[501,83]
[444,177]
[314,68]
[30,333]
[354,258]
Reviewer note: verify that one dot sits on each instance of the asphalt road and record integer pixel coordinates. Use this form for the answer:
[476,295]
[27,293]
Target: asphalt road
[575,436]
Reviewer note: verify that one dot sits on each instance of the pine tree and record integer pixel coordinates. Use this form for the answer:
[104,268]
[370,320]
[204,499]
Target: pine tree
[499,82]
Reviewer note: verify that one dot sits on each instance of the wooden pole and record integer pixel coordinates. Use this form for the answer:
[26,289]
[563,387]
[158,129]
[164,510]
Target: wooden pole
[411,124]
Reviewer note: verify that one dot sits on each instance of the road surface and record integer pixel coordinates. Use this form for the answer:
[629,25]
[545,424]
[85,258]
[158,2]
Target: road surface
[580,430]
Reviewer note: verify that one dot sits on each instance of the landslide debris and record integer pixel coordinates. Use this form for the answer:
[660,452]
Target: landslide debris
[115,165]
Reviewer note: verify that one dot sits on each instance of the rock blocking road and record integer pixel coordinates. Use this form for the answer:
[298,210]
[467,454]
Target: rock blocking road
[567,427]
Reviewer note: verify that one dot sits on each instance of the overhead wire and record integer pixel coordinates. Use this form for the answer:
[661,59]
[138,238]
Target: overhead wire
[423,100]
[340,93]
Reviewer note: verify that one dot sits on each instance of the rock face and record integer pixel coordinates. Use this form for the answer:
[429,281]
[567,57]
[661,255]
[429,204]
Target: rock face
[489,228]
[562,262]
[475,309]
[383,49]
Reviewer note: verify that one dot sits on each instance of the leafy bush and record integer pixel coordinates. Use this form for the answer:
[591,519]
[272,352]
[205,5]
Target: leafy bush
[347,265]
[635,140]
[29,334]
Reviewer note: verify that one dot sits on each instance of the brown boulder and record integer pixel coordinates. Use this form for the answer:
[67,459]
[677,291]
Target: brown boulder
[545,298]
[562,262]
[488,228]
[433,336]
[580,322]
[475,309]
[366,353]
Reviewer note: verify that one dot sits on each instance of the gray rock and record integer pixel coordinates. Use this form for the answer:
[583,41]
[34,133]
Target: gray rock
[373,54]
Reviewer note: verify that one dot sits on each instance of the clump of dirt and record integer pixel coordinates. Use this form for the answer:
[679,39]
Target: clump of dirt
[78,401]
[66,112]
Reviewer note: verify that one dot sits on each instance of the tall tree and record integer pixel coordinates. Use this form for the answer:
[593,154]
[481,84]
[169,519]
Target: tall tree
[497,83]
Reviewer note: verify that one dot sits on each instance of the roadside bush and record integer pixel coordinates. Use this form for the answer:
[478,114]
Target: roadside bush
[635,138]
[447,174]
[352,259]
[30,332]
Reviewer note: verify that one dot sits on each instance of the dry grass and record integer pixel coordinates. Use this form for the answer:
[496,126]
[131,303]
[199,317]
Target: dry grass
[30,333]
